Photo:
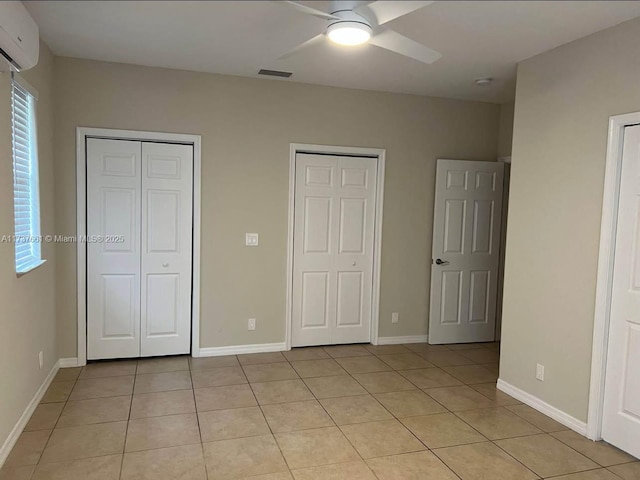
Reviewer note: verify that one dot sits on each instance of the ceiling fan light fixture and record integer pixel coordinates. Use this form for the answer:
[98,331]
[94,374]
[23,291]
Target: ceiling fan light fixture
[349,33]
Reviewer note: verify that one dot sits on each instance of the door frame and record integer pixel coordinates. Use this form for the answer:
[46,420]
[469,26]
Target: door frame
[375,153]
[82,133]
[506,181]
[604,282]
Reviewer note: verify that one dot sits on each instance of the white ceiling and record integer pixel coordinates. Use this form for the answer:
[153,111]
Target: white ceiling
[476,38]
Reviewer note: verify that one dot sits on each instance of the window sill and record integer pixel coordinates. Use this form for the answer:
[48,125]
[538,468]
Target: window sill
[31,267]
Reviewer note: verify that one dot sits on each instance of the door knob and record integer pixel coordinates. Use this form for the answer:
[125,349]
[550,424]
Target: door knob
[441,262]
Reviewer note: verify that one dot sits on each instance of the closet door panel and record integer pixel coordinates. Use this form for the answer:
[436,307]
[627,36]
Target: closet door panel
[167,220]
[113,248]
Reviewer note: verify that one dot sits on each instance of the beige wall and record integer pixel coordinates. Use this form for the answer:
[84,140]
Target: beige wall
[27,320]
[246,127]
[505,132]
[563,101]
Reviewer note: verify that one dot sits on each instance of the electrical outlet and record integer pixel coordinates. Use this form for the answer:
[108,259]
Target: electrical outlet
[41,359]
[540,372]
[251,239]
[394,317]
[252,324]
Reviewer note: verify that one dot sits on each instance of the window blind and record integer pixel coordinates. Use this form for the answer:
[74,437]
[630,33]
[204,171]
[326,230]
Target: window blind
[25,179]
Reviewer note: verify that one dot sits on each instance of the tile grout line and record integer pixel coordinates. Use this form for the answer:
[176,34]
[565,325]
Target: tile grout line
[273,435]
[275,440]
[518,461]
[582,471]
[126,432]
[388,411]
[195,407]
[397,419]
[487,440]
[338,428]
[75,381]
[579,452]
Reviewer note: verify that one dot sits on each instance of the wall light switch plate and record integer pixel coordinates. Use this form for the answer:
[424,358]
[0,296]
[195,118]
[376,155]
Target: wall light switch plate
[394,317]
[252,324]
[41,359]
[251,239]
[540,372]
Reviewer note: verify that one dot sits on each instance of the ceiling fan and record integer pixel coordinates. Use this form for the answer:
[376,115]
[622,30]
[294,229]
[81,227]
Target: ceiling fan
[354,23]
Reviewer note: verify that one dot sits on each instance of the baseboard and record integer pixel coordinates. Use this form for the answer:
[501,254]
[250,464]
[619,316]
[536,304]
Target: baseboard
[279,347]
[559,416]
[26,415]
[399,340]
[240,349]
[68,362]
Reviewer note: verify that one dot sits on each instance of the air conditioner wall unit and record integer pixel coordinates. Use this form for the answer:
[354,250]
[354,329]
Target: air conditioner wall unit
[19,37]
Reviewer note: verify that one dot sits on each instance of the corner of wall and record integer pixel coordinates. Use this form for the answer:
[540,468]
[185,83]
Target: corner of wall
[505,132]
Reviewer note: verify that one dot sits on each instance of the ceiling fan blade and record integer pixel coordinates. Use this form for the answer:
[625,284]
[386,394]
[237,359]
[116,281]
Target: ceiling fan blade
[308,10]
[393,41]
[385,11]
[312,41]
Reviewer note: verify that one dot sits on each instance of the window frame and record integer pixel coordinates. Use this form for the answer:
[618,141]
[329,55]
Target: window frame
[34,259]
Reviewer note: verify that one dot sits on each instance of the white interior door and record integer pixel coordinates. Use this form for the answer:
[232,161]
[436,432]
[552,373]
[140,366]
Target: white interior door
[334,213]
[167,231]
[139,288]
[465,253]
[113,268]
[621,417]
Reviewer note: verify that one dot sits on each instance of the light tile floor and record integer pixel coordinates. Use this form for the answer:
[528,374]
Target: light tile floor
[342,412]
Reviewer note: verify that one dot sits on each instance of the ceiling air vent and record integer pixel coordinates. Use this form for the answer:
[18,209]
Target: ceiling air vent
[274,73]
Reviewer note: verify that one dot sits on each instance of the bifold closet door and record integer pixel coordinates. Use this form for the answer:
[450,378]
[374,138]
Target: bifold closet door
[139,198]
[334,214]
[114,198]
